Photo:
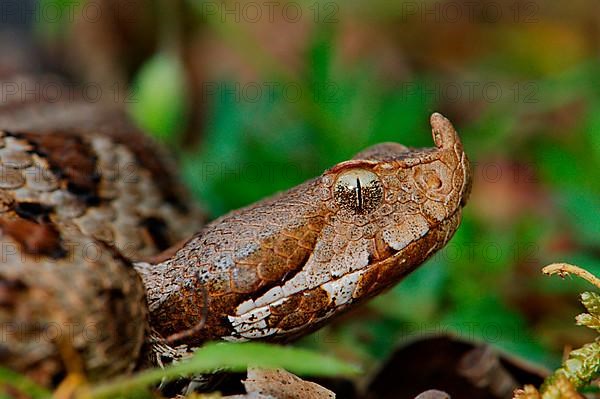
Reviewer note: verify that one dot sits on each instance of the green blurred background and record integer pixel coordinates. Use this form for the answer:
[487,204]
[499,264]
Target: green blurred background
[257,96]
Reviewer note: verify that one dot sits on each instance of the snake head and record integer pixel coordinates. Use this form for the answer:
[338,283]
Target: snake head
[282,267]
[371,221]
[390,208]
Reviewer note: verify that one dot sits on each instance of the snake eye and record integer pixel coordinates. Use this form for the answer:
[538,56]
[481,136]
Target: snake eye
[358,190]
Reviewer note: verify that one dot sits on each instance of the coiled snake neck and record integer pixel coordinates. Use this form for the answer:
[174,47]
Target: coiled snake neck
[105,259]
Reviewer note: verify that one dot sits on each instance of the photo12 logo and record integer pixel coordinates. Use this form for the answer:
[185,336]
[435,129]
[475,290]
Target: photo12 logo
[37,332]
[51,12]
[31,91]
[469,91]
[270,92]
[470,11]
[270,11]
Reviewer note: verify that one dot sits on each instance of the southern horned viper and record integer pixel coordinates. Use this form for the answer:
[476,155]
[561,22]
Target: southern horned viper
[103,253]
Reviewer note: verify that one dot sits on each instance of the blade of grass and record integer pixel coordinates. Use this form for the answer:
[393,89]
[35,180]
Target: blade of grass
[232,357]
[22,384]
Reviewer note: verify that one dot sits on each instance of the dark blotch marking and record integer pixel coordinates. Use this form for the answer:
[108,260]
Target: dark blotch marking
[34,230]
[115,253]
[10,291]
[34,238]
[33,211]
[70,158]
[158,231]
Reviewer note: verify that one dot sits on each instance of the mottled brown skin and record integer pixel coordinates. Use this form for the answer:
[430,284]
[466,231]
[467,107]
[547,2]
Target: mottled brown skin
[86,212]
[75,210]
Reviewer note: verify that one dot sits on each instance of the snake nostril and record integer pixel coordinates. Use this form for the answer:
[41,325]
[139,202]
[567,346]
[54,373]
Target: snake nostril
[433,181]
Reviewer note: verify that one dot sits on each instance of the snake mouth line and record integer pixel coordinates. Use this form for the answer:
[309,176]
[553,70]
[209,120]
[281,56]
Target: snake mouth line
[395,258]
[396,253]
[249,320]
[352,278]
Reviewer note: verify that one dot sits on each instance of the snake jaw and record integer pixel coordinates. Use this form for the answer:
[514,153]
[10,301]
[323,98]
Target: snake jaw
[331,298]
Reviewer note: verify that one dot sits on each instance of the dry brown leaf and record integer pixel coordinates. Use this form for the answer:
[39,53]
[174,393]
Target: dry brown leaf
[433,394]
[280,384]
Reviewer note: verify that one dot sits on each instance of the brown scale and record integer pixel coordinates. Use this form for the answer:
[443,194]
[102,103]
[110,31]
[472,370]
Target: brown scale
[81,200]
[314,300]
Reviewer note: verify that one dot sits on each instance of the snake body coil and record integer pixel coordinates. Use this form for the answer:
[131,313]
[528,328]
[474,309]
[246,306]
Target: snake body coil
[86,212]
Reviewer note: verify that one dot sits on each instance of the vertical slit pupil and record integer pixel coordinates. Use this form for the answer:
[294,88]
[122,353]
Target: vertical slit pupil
[359,198]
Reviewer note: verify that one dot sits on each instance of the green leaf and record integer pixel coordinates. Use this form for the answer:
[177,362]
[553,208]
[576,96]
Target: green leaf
[22,384]
[591,301]
[160,96]
[581,367]
[232,357]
